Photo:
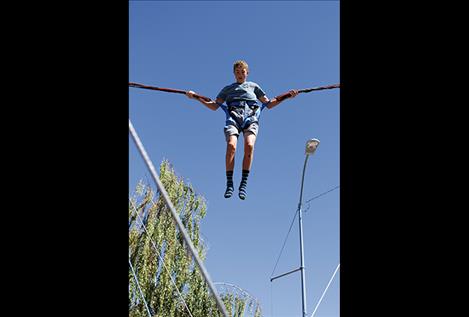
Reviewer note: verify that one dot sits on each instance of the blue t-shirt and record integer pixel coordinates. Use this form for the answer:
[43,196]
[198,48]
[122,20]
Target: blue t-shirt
[245,91]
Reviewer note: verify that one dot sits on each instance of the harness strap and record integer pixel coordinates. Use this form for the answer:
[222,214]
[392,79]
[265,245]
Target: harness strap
[253,105]
[239,102]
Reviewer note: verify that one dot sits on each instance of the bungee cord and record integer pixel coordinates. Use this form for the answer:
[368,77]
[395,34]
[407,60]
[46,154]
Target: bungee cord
[288,94]
[279,97]
[177,91]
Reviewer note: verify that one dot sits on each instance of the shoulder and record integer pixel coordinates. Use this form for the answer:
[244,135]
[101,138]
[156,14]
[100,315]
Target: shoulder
[257,87]
[232,85]
[253,84]
[228,87]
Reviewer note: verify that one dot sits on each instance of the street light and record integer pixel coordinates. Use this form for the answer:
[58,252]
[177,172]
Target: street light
[311,146]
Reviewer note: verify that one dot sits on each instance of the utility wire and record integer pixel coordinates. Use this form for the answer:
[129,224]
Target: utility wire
[307,202]
[284,241]
[138,285]
[322,194]
[291,225]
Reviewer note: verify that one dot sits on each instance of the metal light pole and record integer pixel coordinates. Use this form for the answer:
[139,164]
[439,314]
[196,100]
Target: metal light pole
[311,146]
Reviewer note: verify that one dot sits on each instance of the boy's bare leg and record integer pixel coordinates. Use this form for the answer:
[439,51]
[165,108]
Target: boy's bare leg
[230,156]
[249,141]
[230,152]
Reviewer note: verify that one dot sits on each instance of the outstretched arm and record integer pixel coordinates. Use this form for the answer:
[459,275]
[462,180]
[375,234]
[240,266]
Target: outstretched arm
[212,105]
[277,100]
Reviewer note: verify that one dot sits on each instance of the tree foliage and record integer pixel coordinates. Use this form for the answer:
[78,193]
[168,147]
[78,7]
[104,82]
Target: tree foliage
[166,272]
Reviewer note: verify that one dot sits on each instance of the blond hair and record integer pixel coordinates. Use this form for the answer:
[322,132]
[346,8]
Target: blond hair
[240,63]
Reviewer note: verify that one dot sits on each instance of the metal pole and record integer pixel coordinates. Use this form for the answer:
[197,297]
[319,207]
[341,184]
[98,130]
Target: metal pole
[311,147]
[300,220]
[282,275]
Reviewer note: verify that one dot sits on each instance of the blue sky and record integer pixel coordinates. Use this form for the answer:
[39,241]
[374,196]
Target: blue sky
[191,45]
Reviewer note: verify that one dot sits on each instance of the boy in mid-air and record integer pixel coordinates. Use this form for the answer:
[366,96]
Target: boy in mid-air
[242,115]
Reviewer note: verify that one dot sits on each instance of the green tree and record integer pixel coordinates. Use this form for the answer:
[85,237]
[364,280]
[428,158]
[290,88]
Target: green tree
[165,270]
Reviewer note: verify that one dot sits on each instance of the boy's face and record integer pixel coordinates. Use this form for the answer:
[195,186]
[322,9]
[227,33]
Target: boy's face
[241,73]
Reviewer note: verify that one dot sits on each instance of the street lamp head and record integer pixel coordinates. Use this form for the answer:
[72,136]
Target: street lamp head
[311,146]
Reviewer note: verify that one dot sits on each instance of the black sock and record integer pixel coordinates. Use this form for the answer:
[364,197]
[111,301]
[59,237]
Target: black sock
[229,184]
[243,184]
[229,178]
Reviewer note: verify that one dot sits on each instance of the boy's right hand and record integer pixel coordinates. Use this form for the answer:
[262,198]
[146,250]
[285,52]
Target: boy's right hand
[190,94]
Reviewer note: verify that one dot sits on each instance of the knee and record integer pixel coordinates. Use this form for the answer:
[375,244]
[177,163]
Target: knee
[249,147]
[231,148]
